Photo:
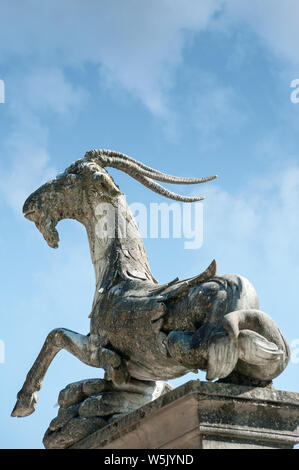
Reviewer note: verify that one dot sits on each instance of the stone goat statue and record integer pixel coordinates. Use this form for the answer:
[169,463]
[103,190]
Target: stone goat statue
[140,330]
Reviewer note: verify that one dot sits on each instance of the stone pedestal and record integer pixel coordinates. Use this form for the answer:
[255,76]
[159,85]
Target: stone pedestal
[205,415]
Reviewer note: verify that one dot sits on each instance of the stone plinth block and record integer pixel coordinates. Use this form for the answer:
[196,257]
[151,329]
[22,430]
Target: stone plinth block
[206,415]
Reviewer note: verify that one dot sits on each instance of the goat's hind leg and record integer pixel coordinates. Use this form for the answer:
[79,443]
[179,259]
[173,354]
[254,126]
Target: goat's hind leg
[75,343]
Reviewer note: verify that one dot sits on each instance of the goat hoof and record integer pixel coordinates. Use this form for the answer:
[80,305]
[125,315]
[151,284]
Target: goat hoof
[25,405]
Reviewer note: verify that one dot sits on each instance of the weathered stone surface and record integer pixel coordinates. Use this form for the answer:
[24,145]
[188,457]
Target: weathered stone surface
[116,417]
[64,416]
[76,429]
[112,402]
[202,415]
[108,403]
[140,330]
[95,386]
[71,394]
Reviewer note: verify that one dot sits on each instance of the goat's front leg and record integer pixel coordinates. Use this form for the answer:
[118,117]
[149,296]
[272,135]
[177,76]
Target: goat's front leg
[78,345]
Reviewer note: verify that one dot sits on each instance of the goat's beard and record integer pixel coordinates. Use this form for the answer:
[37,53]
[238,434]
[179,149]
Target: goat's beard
[47,227]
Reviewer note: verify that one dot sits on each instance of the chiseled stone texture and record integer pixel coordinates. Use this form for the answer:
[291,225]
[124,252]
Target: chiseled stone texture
[140,329]
[89,405]
[206,415]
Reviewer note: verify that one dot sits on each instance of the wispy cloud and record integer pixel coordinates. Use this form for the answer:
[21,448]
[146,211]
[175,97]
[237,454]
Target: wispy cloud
[254,231]
[136,45]
[47,89]
[27,162]
[274,21]
[219,110]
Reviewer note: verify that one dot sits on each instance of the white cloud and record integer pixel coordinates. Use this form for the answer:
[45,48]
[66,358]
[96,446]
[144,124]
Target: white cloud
[274,21]
[27,161]
[254,231]
[216,111]
[136,44]
[47,89]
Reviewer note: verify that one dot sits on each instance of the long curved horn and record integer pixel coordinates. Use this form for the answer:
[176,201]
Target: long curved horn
[127,166]
[122,162]
[144,174]
[157,188]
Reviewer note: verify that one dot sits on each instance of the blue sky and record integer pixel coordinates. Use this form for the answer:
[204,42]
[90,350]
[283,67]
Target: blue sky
[191,88]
